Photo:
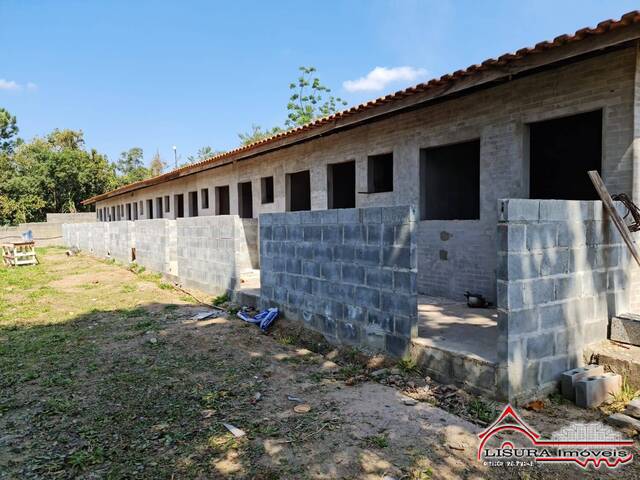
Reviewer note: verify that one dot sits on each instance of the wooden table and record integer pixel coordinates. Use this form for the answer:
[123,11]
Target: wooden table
[19,253]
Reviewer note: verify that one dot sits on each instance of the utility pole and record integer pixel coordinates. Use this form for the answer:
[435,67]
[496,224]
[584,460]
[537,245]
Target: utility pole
[175,156]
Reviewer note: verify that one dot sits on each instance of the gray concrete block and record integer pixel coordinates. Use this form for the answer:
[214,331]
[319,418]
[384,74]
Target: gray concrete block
[344,253]
[541,235]
[397,257]
[569,379]
[309,269]
[594,391]
[349,215]
[540,345]
[381,319]
[312,233]
[353,234]
[367,255]
[367,297]
[398,303]
[399,214]
[633,408]
[517,209]
[372,215]
[374,234]
[330,271]
[352,274]
[332,233]
[397,346]
[295,233]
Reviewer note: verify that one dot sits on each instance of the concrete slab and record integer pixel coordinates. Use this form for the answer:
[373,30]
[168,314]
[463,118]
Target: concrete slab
[621,359]
[451,325]
[625,328]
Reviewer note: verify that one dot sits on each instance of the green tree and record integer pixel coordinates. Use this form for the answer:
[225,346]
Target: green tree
[130,166]
[310,99]
[257,133]
[157,165]
[203,153]
[8,131]
[51,174]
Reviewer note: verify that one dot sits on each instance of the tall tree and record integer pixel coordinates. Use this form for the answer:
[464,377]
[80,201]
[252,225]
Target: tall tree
[310,99]
[203,154]
[157,164]
[257,133]
[130,166]
[8,131]
[51,174]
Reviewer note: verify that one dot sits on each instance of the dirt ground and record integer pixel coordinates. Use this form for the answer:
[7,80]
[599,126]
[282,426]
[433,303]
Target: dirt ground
[104,373]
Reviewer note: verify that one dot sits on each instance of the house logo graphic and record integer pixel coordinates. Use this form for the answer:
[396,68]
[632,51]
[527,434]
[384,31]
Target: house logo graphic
[510,441]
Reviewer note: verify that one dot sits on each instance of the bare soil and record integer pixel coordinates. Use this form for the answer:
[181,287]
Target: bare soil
[104,373]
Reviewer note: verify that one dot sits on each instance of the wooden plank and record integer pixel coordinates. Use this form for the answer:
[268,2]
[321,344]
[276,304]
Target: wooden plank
[607,201]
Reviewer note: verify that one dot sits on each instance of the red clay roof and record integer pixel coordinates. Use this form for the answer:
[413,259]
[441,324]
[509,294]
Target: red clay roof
[502,61]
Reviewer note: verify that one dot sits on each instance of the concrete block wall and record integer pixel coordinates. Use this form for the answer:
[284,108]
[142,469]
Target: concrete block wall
[156,245]
[350,274]
[78,217]
[90,237]
[453,255]
[121,240]
[563,272]
[213,251]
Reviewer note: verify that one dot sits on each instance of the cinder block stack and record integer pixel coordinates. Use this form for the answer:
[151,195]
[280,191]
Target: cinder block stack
[590,386]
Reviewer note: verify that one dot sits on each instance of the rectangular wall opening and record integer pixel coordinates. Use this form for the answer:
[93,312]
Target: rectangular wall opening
[135,210]
[450,182]
[167,206]
[129,217]
[298,191]
[266,189]
[561,152]
[222,200]
[193,204]
[150,209]
[380,173]
[159,207]
[178,205]
[112,217]
[341,185]
[245,200]
[204,198]
[141,208]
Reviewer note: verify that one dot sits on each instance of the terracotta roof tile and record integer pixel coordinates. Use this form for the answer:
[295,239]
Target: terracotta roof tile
[602,27]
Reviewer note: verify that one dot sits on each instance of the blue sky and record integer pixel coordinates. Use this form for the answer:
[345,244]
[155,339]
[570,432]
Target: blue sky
[159,73]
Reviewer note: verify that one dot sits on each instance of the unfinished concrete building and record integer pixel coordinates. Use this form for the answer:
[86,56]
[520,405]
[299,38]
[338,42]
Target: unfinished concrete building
[371,224]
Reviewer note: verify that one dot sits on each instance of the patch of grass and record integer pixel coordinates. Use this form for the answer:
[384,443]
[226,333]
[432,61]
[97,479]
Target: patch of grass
[485,412]
[557,399]
[134,312]
[623,397]
[165,286]
[377,441]
[128,288]
[220,299]
[135,268]
[408,365]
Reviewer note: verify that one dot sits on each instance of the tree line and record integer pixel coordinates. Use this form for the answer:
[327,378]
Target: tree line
[55,172]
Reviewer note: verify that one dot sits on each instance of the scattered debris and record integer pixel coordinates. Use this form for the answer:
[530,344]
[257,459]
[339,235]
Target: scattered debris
[455,446]
[294,399]
[535,405]
[206,314]
[72,252]
[153,340]
[379,373]
[410,402]
[208,413]
[302,408]
[256,398]
[264,319]
[235,431]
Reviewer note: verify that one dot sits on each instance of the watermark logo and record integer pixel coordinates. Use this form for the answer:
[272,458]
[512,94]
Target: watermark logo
[510,441]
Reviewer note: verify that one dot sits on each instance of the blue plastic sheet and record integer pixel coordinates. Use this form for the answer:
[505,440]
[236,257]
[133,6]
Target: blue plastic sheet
[264,319]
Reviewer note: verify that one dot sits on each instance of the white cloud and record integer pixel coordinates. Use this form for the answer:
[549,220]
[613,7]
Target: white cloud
[8,85]
[12,85]
[380,77]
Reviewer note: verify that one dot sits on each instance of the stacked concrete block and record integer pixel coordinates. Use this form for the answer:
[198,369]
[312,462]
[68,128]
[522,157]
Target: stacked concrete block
[213,251]
[593,391]
[121,241]
[569,379]
[349,273]
[562,274]
[155,243]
